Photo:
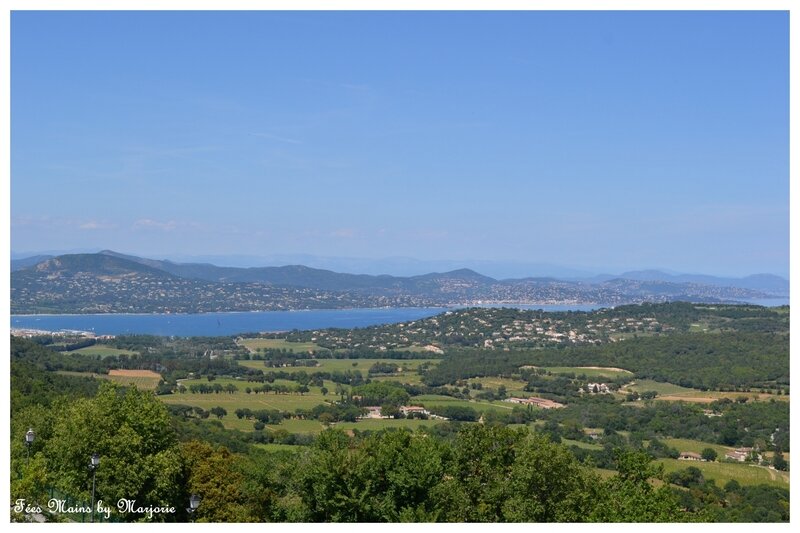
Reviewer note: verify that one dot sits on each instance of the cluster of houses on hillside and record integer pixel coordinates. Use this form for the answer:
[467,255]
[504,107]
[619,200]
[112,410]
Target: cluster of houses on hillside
[487,328]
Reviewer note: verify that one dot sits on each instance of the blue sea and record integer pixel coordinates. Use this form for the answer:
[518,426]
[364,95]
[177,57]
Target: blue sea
[211,324]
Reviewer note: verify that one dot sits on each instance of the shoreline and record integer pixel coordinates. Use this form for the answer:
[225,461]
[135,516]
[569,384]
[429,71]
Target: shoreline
[480,304]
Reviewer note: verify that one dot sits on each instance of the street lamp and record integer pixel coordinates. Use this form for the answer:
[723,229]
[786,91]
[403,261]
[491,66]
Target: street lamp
[194,503]
[29,436]
[93,466]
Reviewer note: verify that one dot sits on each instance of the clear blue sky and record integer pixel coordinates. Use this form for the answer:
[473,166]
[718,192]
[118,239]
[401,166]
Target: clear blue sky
[594,140]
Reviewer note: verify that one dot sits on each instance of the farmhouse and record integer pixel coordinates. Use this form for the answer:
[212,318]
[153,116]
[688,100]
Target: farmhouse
[690,456]
[373,411]
[594,388]
[407,409]
[594,434]
[743,454]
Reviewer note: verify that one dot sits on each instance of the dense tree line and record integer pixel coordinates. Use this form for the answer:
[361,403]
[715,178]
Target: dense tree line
[31,385]
[705,361]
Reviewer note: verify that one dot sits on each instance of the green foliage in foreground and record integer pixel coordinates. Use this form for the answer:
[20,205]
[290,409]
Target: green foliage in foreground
[484,473]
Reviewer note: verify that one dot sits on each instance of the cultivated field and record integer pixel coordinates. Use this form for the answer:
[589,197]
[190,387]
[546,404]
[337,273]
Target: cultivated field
[341,365]
[283,402]
[142,379]
[102,351]
[589,371]
[723,472]
[254,344]
[671,392]
[434,400]
[514,387]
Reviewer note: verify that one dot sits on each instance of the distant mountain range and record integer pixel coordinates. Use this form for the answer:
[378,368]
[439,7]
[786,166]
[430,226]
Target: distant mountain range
[113,282]
[758,282]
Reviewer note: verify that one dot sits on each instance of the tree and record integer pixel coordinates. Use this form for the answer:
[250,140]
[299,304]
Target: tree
[212,474]
[630,497]
[390,410]
[324,391]
[709,454]
[547,484]
[130,430]
[779,462]
[476,487]
[219,412]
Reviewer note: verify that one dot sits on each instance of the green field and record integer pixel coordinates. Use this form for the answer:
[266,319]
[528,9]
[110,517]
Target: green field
[581,444]
[332,365]
[374,424]
[434,400]
[369,424]
[143,383]
[514,387]
[232,401]
[275,447]
[403,377]
[589,372]
[724,472]
[697,446]
[282,402]
[102,351]
[254,344]
[669,391]
[296,426]
[662,388]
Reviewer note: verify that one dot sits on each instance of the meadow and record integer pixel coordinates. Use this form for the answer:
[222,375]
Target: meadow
[671,392]
[434,400]
[589,371]
[103,351]
[254,344]
[341,365]
[697,446]
[722,472]
[514,387]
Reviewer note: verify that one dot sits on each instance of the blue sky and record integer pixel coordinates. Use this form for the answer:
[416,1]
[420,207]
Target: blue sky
[596,140]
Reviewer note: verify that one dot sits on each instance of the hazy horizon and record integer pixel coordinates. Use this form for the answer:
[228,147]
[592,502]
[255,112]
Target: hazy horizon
[592,141]
[397,265]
